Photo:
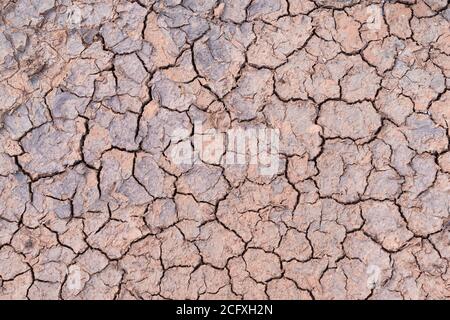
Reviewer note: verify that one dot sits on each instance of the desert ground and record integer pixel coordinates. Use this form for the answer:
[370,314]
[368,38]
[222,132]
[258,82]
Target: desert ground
[224,149]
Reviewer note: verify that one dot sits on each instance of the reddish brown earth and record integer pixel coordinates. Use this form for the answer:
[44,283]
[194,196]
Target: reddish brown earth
[93,207]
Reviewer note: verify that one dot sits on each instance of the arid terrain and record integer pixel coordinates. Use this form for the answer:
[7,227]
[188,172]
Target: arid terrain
[224,149]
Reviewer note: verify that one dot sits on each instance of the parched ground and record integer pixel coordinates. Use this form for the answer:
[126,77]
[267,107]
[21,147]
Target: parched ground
[93,207]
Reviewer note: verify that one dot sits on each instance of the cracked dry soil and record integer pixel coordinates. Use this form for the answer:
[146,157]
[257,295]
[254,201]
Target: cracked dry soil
[92,207]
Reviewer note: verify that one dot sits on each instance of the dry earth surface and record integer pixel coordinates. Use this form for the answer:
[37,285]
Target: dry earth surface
[93,207]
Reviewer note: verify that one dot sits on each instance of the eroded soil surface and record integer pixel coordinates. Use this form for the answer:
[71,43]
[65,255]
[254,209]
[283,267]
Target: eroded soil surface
[93,207]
